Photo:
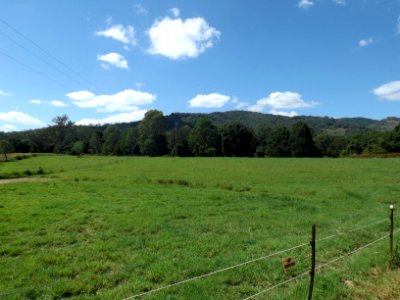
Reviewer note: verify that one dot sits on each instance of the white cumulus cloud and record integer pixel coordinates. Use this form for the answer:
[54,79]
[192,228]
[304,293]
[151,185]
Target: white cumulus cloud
[290,114]
[124,101]
[8,128]
[365,42]
[119,118]
[213,100]
[279,102]
[57,103]
[113,59]
[123,34]
[36,101]
[285,100]
[305,4]
[19,118]
[178,39]
[389,91]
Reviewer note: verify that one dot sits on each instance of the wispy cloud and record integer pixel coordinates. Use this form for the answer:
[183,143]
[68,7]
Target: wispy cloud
[305,4]
[241,105]
[125,101]
[388,91]
[213,100]
[118,32]
[113,59]
[365,42]
[178,39]
[4,94]
[398,26]
[340,2]
[140,9]
[175,12]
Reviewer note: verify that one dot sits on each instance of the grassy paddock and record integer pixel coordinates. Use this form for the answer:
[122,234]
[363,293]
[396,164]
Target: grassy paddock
[111,227]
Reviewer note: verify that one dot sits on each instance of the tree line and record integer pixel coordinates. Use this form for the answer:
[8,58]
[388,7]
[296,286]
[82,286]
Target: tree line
[151,137]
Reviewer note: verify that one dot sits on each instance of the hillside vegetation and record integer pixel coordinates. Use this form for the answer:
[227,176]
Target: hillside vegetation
[229,134]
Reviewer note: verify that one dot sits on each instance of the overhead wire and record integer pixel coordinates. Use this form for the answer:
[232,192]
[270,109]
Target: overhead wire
[59,61]
[39,57]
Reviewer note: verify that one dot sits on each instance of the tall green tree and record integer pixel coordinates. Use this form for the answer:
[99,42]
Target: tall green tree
[392,141]
[62,133]
[262,134]
[178,140]
[5,148]
[151,134]
[301,140]
[237,140]
[95,143]
[112,137]
[278,144]
[130,144]
[204,138]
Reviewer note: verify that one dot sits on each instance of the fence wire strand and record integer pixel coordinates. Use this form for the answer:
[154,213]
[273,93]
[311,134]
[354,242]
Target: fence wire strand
[318,268]
[247,263]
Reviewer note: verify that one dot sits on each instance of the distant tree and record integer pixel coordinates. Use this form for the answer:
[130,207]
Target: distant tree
[78,148]
[354,147]
[278,144]
[301,140]
[111,138]
[178,141]
[204,138]
[95,143]
[151,134]
[130,145]
[330,145]
[262,134]
[392,142]
[63,136]
[5,148]
[237,140]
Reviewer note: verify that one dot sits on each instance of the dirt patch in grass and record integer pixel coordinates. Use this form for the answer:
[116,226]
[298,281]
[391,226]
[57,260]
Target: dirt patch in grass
[24,179]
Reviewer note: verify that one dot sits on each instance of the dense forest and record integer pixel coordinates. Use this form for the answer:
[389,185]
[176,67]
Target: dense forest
[234,133]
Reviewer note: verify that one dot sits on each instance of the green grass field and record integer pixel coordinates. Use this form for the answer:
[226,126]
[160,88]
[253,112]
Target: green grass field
[113,227]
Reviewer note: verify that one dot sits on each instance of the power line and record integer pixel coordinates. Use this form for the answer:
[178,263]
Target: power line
[48,53]
[32,69]
[39,57]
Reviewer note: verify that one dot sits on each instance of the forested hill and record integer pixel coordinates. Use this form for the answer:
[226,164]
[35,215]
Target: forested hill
[343,126]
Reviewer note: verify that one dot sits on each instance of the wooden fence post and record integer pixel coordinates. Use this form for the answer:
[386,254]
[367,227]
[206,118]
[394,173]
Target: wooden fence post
[391,230]
[312,271]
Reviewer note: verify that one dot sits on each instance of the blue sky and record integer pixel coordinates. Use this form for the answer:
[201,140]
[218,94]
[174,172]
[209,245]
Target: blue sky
[111,61]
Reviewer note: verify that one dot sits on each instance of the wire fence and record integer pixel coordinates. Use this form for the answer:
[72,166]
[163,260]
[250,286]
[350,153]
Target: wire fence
[252,261]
